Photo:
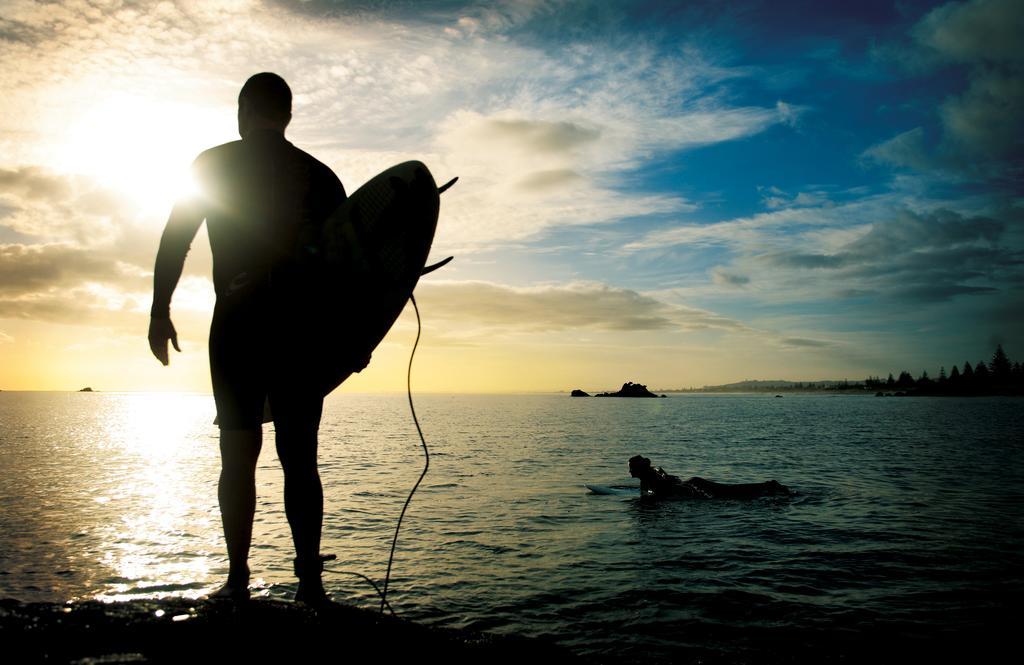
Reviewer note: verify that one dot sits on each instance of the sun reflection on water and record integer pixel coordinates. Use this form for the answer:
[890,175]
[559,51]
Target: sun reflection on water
[164,548]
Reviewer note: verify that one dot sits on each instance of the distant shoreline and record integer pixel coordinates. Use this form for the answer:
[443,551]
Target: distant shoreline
[857,391]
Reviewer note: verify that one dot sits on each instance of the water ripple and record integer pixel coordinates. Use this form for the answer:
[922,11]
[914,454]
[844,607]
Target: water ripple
[908,524]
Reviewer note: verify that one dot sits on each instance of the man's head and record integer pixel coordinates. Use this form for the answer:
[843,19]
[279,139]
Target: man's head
[265,102]
[639,466]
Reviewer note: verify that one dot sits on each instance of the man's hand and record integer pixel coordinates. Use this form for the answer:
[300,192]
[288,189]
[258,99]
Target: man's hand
[160,331]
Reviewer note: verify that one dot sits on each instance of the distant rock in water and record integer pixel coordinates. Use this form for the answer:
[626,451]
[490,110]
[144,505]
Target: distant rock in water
[87,389]
[630,389]
[580,393]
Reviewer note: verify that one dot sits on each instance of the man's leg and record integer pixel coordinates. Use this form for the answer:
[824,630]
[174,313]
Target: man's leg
[304,506]
[296,439]
[236,491]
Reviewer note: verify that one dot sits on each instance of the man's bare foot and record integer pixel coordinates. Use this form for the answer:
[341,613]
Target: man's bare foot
[311,587]
[232,591]
[312,593]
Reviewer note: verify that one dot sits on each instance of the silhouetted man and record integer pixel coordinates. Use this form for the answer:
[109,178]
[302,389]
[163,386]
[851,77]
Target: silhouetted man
[263,200]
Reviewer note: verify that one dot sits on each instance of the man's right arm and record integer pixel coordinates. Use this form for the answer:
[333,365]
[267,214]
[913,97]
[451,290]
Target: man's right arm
[185,220]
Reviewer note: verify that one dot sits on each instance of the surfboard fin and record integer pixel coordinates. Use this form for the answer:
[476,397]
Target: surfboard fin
[439,264]
[444,188]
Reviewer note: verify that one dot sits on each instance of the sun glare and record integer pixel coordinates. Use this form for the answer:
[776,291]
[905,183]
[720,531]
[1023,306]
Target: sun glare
[142,148]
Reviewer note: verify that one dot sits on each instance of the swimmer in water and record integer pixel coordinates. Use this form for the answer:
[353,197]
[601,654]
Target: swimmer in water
[656,483]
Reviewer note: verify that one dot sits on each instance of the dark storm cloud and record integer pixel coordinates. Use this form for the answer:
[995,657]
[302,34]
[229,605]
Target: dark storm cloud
[41,208]
[26,269]
[981,127]
[62,283]
[934,230]
[910,240]
[986,120]
[801,342]
[960,263]
[37,203]
[938,292]
[20,32]
[918,257]
[64,241]
[725,278]
[80,306]
[35,184]
[855,293]
[979,30]
[799,260]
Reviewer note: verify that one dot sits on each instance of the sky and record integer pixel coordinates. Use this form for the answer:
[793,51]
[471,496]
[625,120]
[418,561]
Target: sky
[677,194]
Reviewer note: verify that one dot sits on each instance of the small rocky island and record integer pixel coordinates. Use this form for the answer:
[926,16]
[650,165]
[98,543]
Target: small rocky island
[580,393]
[87,389]
[630,389]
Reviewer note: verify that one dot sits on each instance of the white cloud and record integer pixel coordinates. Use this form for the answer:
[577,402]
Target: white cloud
[906,149]
[551,179]
[775,198]
[540,139]
[519,178]
[777,228]
[578,305]
[537,136]
[789,114]
[499,16]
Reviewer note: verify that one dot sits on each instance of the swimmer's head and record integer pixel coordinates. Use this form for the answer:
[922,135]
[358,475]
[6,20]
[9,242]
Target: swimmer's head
[639,465]
[265,102]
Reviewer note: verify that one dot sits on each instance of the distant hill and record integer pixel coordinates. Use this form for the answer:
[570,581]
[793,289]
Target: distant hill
[777,385]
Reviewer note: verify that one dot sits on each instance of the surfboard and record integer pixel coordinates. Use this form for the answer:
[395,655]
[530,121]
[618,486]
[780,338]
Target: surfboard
[374,249]
[619,490]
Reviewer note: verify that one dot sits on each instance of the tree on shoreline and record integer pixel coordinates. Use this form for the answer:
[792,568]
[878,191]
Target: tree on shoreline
[1002,370]
[1000,376]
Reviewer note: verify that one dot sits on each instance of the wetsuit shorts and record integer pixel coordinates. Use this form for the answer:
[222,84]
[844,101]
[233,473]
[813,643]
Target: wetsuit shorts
[256,358]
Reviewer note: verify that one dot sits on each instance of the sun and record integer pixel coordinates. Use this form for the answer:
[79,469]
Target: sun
[142,148]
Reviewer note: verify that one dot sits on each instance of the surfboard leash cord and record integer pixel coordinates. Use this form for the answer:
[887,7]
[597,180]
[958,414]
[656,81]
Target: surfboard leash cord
[426,452]
[426,467]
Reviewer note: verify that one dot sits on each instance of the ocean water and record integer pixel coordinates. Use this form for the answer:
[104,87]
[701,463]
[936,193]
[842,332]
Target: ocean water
[908,527]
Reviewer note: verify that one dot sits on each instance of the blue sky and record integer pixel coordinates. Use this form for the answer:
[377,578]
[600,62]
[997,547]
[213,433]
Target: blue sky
[676,193]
